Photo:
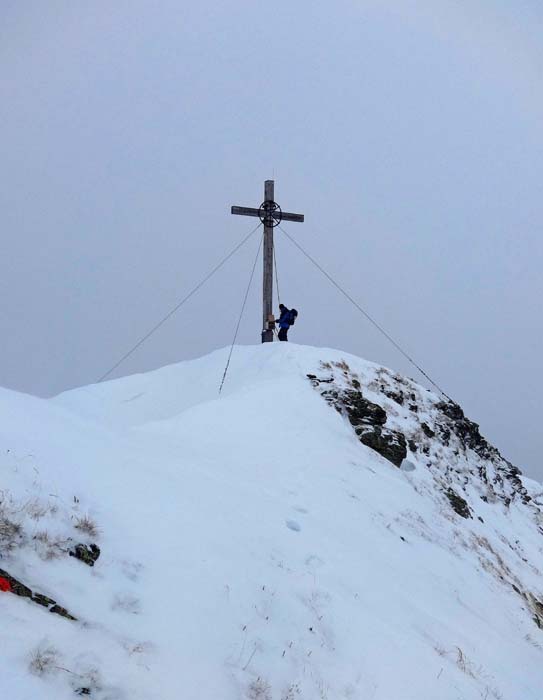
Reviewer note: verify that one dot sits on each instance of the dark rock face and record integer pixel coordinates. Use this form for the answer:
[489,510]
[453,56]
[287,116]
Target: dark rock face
[361,411]
[459,504]
[390,444]
[11,585]
[470,438]
[397,396]
[445,435]
[432,426]
[427,430]
[463,466]
[512,474]
[451,410]
[466,430]
[368,420]
[87,553]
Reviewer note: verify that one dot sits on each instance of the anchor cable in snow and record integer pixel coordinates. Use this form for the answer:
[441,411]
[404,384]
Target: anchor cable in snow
[241,314]
[178,306]
[366,314]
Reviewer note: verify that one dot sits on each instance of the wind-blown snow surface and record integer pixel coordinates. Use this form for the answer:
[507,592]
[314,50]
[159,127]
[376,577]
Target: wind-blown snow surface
[252,547]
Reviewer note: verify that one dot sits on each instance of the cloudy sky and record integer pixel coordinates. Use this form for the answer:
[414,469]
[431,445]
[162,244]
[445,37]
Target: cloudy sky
[407,131]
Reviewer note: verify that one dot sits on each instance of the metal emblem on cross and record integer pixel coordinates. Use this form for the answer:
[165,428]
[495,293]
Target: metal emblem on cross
[270,215]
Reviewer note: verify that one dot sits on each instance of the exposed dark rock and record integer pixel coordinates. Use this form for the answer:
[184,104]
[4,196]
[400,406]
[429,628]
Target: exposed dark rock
[513,474]
[316,380]
[468,433]
[397,396]
[368,419]
[449,428]
[427,430]
[43,600]
[466,430]
[444,434]
[11,585]
[360,410]
[458,503]
[87,553]
[451,409]
[331,396]
[390,444]
[58,610]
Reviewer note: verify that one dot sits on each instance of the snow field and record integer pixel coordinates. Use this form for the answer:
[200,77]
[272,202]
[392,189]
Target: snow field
[253,548]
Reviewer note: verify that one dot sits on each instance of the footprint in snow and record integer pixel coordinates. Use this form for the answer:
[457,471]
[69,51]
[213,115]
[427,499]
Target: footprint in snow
[293,525]
[313,561]
[299,509]
[131,569]
[126,603]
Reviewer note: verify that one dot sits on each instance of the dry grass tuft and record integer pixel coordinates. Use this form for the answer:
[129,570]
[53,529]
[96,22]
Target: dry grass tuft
[47,547]
[259,689]
[11,533]
[87,525]
[43,660]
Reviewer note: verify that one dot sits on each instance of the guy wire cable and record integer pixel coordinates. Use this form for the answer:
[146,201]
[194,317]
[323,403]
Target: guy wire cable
[179,305]
[241,313]
[367,315]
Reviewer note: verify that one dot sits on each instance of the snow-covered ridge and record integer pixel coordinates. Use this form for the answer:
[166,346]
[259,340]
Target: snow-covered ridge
[258,546]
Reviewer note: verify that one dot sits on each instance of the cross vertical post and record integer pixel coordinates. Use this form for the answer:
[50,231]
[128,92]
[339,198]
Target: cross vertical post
[267,281]
[270,215]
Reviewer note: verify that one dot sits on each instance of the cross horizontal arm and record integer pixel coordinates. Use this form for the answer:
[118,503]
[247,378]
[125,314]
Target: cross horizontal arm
[287,216]
[245,211]
[249,211]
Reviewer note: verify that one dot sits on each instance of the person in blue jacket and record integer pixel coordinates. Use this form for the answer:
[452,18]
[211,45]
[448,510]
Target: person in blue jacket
[285,321]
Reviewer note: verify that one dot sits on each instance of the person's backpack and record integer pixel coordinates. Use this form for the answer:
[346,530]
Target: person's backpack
[292,317]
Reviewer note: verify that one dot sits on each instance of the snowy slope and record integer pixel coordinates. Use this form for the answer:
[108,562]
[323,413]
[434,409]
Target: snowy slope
[253,547]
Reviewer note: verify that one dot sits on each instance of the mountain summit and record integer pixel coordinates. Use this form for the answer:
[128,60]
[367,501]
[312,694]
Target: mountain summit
[324,529]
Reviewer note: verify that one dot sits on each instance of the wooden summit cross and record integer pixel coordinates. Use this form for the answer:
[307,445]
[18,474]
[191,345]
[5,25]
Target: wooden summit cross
[270,215]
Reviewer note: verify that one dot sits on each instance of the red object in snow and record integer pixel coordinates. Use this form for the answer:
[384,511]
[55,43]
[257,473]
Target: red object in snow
[5,585]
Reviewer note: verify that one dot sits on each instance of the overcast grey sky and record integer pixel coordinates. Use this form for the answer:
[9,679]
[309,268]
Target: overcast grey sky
[408,132]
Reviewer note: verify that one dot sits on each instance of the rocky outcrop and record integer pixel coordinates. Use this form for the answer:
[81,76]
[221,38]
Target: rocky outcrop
[393,415]
[466,430]
[390,444]
[459,504]
[470,438]
[9,584]
[367,418]
[87,553]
